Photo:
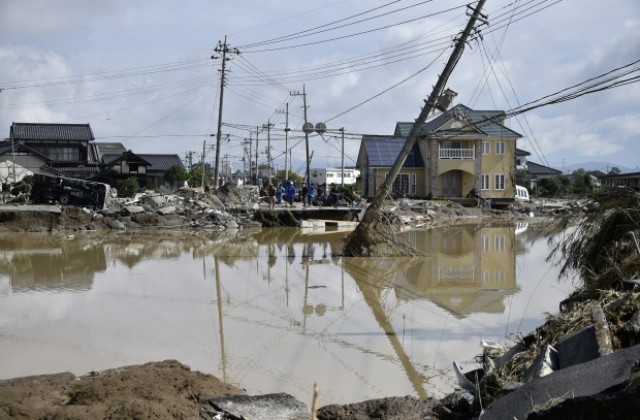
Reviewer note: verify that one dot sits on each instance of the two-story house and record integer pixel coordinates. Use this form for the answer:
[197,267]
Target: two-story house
[456,152]
[70,150]
[65,149]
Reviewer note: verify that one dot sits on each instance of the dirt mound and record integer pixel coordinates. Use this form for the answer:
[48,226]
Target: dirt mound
[161,390]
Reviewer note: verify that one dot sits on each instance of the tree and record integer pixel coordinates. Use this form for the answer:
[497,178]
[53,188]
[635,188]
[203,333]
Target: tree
[128,187]
[175,175]
[614,171]
[195,174]
[551,187]
[293,176]
[581,182]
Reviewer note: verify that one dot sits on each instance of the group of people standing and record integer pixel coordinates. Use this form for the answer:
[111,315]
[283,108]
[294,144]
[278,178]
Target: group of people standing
[286,193]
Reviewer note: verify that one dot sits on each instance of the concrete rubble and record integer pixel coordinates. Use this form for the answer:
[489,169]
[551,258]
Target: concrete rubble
[596,361]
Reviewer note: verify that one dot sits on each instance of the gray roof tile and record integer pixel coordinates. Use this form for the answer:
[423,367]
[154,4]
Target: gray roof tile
[40,131]
[162,162]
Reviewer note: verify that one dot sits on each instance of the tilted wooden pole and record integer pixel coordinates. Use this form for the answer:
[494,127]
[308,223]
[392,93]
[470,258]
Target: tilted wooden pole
[357,241]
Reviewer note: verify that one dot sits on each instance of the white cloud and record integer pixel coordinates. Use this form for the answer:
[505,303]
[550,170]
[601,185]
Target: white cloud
[539,54]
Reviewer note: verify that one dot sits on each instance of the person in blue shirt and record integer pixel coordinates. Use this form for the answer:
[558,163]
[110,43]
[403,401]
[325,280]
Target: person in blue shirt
[312,194]
[291,193]
[279,193]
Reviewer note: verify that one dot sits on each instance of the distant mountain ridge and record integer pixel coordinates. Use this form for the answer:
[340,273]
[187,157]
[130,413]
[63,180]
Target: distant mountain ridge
[596,166]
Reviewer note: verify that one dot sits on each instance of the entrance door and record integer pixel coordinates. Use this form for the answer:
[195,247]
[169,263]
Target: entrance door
[451,184]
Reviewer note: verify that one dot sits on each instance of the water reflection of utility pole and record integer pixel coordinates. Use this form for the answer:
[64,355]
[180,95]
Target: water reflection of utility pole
[342,276]
[223,354]
[306,294]
[372,299]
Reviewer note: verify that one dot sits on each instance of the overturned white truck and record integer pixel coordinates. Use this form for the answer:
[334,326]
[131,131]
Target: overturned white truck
[46,189]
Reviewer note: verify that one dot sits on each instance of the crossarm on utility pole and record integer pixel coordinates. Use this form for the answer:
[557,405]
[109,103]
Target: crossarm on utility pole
[359,241]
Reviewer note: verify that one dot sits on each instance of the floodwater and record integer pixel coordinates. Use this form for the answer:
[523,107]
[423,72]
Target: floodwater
[276,310]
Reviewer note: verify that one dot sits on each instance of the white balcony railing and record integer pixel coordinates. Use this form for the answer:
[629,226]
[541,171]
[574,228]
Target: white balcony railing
[457,153]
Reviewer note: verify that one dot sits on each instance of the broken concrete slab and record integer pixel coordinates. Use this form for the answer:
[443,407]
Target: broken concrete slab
[545,364]
[605,374]
[578,347]
[619,405]
[153,201]
[134,209]
[117,225]
[167,210]
[261,407]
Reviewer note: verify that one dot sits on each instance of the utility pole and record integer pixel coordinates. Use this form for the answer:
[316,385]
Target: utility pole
[257,163]
[306,134]
[342,153]
[224,49]
[286,142]
[204,145]
[287,154]
[354,246]
[307,128]
[268,127]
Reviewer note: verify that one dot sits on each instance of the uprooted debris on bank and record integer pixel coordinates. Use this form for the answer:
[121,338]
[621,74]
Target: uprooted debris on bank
[591,351]
[232,207]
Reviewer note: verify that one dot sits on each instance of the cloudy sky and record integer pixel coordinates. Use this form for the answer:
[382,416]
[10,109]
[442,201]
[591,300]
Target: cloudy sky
[141,72]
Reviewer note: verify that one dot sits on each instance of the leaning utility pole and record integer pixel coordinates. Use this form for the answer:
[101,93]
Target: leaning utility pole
[224,49]
[356,244]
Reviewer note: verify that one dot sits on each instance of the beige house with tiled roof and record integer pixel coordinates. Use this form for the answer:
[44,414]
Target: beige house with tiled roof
[458,151]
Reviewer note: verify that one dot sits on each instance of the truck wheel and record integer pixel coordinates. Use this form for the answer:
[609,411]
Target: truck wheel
[64,199]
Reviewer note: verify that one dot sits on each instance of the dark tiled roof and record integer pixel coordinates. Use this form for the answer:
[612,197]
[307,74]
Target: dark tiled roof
[382,151]
[74,169]
[520,152]
[129,156]
[38,131]
[5,149]
[483,120]
[105,148]
[537,169]
[162,162]
[108,158]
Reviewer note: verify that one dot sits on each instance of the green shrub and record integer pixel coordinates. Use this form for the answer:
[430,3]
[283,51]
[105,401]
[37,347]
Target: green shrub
[128,187]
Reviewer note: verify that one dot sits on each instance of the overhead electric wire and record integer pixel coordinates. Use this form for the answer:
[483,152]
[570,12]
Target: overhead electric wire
[591,85]
[288,18]
[198,82]
[306,44]
[164,117]
[388,89]
[316,30]
[107,75]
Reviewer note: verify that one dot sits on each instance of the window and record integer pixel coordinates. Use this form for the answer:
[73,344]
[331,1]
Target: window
[485,277]
[485,182]
[486,148]
[499,182]
[500,148]
[498,243]
[485,243]
[405,184]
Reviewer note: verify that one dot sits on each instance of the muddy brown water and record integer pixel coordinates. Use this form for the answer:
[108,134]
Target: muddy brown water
[273,311]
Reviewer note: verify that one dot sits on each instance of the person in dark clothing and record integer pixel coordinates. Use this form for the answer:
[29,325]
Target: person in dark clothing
[334,195]
[272,195]
[304,194]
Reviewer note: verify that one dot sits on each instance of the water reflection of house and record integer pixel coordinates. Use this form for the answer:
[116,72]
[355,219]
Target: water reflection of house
[467,270]
[49,263]
[470,270]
